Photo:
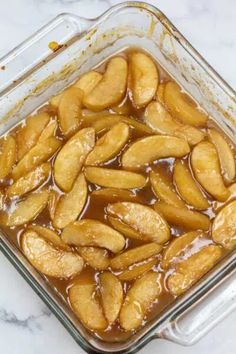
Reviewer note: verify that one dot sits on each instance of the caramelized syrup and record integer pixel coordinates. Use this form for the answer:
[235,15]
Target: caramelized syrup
[95,209]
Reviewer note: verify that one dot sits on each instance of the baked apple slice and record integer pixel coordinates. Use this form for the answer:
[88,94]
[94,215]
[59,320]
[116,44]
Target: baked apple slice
[7,155]
[89,232]
[86,305]
[111,178]
[109,145]
[182,106]
[206,168]
[143,79]
[71,157]
[223,227]
[225,154]
[187,187]
[139,299]
[70,205]
[111,89]
[161,122]
[149,149]
[111,295]
[142,219]
[189,271]
[49,260]
[25,210]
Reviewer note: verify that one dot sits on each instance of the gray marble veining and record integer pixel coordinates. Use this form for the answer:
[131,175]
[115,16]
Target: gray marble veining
[30,323]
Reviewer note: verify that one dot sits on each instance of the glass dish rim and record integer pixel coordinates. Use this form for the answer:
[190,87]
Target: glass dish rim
[223,269]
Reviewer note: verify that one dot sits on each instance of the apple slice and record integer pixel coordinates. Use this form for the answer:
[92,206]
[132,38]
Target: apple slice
[97,258]
[139,300]
[187,187]
[71,157]
[142,219]
[109,145]
[71,205]
[223,228]
[137,127]
[137,271]
[182,106]
[88,81]
[161,122]
[28,134]
[25,210]
[50,236]
[124,108]
[86,305]
[206,168]
[7,155]
[52,203]
[135,255]
[111,88]
[69,110]
[30,181]
[164,190]
[149,149]
[47,259]
[114,195]
[104,122]
[183,217]
[108,177]
[48,131]
[40,153]
[55,100]
[143,79]
[189,271]
[111,295]
[178,245]
[160,93]
[88,232]
[225,155]
[101,122]
[124,229]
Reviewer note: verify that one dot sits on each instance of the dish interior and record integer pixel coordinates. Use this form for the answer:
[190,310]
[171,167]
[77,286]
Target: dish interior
[169,184]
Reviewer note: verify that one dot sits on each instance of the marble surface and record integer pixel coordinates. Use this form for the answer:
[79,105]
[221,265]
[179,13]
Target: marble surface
[26,324]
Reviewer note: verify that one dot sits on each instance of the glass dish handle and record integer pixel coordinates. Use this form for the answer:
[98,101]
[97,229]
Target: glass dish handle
[189,325]
[35,50]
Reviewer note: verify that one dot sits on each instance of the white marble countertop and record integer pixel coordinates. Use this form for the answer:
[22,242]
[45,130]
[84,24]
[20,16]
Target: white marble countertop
[26,324]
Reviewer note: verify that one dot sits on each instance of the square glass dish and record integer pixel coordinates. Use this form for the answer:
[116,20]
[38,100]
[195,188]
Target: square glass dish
[33,73]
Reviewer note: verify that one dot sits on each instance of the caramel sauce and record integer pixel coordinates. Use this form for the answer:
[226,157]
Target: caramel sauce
[54,46]
[95,209]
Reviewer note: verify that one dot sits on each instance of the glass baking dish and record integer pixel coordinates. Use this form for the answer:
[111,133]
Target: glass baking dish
[32,73]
